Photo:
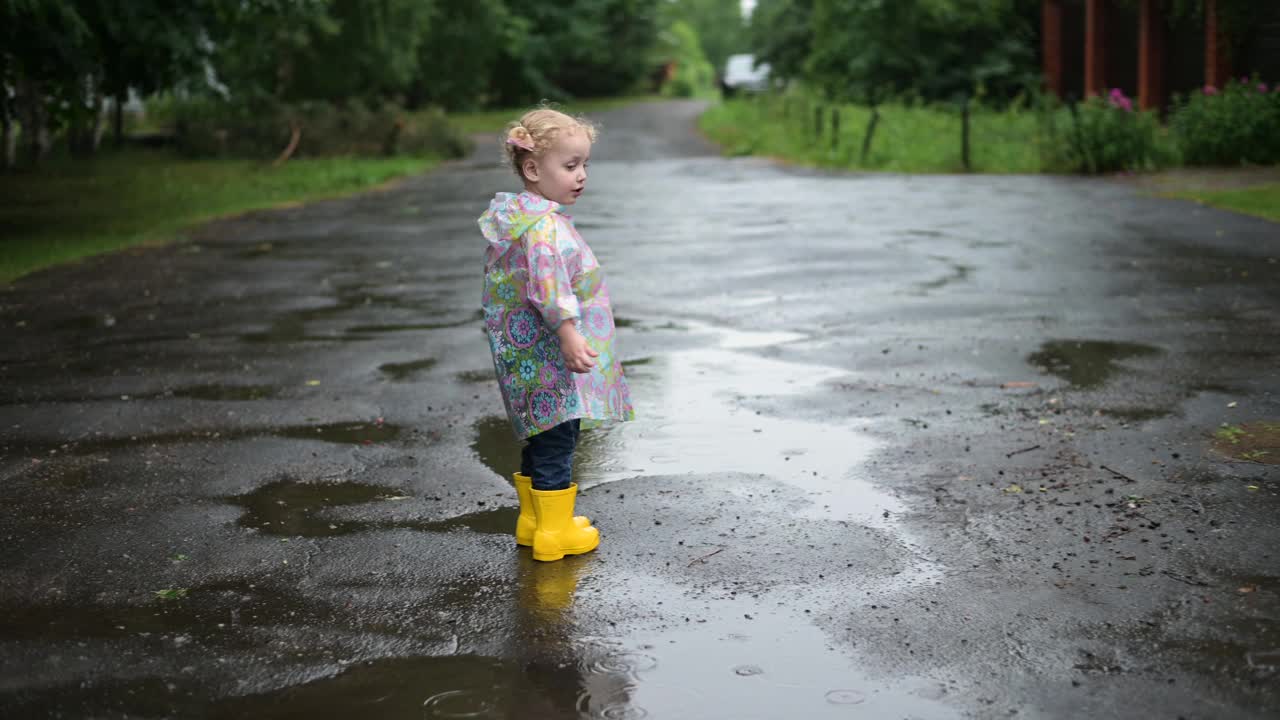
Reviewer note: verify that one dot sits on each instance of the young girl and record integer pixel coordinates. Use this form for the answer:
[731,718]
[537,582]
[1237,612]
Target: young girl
[550,326]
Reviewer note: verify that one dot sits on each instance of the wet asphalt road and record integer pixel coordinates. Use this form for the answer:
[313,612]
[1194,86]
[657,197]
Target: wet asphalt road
[907,447]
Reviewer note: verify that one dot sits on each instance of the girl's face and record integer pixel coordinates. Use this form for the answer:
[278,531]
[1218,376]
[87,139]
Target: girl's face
[560,175]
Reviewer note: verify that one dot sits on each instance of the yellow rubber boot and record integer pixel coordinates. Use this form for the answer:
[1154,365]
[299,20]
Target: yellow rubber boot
[557,534]
[526,523]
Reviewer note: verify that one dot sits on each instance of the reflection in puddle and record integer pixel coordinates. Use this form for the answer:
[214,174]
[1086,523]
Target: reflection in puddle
[497,447]
[204,612]
[689,421]
[1086,363]
[297,509]
[777,665]
[430,688]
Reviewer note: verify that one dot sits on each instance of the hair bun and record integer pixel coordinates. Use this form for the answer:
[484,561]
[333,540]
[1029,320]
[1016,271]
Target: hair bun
[520,137]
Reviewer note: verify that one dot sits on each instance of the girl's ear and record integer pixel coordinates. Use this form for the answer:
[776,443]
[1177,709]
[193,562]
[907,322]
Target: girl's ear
[530,168]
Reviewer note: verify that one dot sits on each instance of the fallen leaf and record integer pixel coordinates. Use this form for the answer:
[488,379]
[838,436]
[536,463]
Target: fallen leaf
[1014,488]
[1017,384]
[1247,589]
[1233,403]
[171,593]
[313,382]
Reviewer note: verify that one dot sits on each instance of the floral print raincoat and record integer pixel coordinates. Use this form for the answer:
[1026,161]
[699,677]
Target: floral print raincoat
[539,273]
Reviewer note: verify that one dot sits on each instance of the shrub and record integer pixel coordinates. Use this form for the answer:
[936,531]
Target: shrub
[1108,135]
[1237,124]
[217,128]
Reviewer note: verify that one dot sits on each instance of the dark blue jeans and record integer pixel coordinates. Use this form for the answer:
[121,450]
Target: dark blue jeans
[548,456]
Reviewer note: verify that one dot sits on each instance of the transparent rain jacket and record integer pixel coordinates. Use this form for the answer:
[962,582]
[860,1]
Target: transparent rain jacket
[539,272]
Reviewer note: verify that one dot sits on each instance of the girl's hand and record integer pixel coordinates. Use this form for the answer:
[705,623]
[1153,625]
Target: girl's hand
[578,356]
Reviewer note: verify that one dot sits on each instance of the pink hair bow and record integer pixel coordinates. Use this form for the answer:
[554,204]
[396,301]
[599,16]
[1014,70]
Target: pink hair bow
[522,144]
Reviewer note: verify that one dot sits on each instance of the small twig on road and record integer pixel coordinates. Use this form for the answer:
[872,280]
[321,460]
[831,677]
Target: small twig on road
[1185,579]
[1023,450]
[704,557]
[1117,473]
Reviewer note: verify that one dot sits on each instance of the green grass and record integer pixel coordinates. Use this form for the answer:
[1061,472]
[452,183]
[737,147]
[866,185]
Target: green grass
[1262,200]
[907,139]
[71,210]
[492,121]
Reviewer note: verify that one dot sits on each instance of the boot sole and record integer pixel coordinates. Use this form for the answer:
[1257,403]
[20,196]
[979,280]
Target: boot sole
[566,551]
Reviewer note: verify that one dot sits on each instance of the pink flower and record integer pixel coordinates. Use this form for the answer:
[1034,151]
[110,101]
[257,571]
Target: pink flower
[1118,100]
[1210,90]
[1262,87]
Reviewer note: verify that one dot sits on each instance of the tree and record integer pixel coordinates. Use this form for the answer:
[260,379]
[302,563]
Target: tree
[869,50]
[781,35]
[461,50]
[44,53]
[578,48]
[146,45]
[719,24]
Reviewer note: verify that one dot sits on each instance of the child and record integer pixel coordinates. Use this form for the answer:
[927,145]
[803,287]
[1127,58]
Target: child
[550,326]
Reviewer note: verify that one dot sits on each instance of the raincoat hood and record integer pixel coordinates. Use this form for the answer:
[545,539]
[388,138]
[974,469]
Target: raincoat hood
[510,215]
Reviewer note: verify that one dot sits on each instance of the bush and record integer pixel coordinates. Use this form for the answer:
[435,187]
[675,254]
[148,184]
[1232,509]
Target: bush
[694,76]
[216,128]
[1108,135]
[1235,125]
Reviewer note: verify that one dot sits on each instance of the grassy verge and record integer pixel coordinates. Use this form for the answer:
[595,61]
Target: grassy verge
[1262,201]
[906,139]
[70,210]
[494,120]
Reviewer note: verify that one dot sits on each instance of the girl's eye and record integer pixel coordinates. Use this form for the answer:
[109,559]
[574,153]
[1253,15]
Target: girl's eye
[571,166]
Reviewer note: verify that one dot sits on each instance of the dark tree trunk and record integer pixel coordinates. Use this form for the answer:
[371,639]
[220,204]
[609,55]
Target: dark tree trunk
[117,123]
[31,113]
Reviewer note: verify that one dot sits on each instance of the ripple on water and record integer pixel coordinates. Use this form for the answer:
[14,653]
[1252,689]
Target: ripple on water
[460,704]
[845,697]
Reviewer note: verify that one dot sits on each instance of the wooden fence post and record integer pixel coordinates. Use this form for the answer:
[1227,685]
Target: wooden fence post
[871,131]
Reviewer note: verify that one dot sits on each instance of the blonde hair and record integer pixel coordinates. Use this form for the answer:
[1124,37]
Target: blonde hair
[536,131]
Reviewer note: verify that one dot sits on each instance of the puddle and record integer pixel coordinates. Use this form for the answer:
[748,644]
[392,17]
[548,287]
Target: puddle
[400,372]
[1257,442]
[497,447]
[1137,414]
[298,509]
[476,376]
[212,612]
[774,666]
[959,273]
[424,688]
[351,433]
[412,327]
[689,421]
[240,393]
[297,326]
[260,250]
[86,322]
[1086,363]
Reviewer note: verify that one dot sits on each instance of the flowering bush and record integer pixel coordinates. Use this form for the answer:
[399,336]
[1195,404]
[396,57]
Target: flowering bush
[1108,135]
[1229,126]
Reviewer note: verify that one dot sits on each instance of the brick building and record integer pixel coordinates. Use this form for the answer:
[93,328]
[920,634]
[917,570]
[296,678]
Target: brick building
[1089,46]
